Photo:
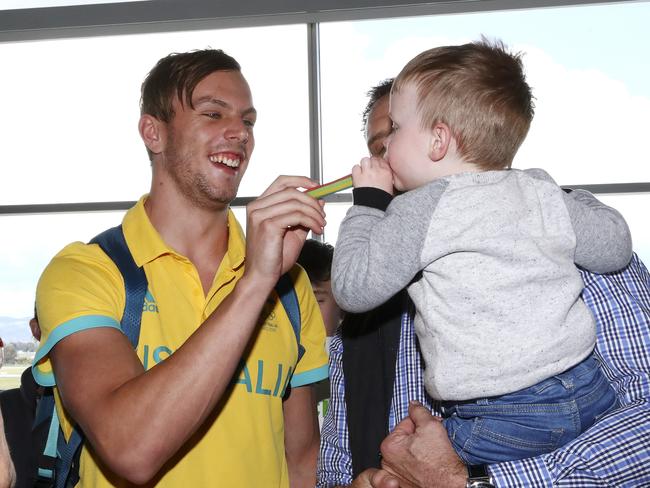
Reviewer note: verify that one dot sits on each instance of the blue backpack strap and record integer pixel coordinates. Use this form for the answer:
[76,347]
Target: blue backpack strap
[45,417]
[289,299]
[67,461]
[113,243]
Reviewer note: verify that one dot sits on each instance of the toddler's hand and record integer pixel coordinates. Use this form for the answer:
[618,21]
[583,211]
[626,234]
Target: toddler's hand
[373,172]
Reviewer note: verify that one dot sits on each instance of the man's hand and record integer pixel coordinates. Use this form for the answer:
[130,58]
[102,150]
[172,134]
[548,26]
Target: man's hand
[277,226]
[373,478]
[374,172]
[418,453]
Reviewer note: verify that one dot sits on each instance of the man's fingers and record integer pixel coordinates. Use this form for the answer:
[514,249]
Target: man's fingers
[283,195]
[284,182]
[405,427]
[383,479]
[288,213]
[419,414]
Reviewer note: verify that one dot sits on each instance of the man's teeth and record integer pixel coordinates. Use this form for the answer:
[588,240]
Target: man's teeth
[233,163]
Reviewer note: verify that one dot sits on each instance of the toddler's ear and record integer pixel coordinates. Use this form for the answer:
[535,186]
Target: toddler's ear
[440,141]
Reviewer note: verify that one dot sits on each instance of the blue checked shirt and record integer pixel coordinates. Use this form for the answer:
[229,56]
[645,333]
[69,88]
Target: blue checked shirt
[614,452]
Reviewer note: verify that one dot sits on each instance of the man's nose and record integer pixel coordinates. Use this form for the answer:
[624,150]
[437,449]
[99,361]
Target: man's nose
[237,130]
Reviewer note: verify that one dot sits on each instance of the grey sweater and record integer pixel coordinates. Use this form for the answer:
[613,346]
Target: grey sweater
[498,305]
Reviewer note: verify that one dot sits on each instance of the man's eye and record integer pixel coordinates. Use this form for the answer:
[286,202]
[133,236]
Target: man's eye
[213,115]
[249,123]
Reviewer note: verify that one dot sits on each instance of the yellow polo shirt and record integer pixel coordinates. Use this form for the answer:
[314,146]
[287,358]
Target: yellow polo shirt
[243,445]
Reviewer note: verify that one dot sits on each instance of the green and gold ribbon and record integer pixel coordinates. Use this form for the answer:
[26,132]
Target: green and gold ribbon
[331,187]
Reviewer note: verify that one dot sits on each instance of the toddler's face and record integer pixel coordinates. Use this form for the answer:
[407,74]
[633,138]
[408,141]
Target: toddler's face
[407,147]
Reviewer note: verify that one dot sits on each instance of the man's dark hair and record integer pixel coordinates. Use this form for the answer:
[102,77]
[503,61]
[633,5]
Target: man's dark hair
[177,75]
[316,258]
[375,94]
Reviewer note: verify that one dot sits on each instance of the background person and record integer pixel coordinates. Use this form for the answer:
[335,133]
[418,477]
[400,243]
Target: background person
[316,258]
[18,406]
[7,472]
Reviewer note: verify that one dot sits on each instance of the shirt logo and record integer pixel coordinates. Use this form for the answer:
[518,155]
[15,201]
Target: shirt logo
[268,317]
[149,304]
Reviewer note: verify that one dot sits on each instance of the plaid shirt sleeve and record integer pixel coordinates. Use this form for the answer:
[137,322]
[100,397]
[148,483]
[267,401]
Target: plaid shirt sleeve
[334,459]
[614,451]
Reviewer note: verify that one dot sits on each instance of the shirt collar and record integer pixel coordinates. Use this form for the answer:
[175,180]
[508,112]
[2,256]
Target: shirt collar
[146,244]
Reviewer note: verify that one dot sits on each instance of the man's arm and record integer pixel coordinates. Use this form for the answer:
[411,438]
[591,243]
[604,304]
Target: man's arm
[98,383]
[612,453]
[301,436]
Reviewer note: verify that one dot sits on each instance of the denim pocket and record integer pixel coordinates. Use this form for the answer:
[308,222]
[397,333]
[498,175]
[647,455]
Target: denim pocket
[488,440]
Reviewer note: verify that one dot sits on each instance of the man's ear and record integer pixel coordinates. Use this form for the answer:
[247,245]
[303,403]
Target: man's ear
[441,137]
[153,133]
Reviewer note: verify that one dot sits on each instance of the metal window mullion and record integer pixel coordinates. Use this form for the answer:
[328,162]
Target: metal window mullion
[313,80]
[314,90]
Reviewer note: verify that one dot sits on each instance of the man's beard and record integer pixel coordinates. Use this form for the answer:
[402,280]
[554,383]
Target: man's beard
[195,186]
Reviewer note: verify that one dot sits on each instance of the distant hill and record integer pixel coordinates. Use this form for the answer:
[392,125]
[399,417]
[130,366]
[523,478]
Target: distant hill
[14,329]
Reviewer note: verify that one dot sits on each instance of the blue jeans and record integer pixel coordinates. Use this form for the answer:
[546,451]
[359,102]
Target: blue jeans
[531,421]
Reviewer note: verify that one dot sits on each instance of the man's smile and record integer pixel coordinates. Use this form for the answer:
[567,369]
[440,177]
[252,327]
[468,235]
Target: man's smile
[230,159]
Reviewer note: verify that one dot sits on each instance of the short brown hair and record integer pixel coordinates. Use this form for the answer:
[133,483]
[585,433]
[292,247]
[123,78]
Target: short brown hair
[480,91]
[177,75]
[375,94]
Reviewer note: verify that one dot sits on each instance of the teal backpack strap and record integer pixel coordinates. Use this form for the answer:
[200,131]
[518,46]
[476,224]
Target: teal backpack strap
[289,299]
[113,243]
[46,414]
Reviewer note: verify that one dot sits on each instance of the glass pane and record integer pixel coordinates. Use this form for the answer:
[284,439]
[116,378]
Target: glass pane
[29,242]
[634,207]
[70,111]
[585,65]
[334,213]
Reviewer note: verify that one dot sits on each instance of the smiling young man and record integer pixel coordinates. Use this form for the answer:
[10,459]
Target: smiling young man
[200,402]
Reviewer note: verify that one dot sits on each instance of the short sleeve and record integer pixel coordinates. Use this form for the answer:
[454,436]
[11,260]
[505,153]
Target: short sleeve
[312,367]
[81,288]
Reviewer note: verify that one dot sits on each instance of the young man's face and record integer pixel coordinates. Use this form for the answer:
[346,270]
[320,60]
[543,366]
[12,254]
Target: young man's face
[208,147]
[408,145]
[330,311]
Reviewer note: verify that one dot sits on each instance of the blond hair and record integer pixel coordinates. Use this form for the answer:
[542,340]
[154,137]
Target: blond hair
[480,91]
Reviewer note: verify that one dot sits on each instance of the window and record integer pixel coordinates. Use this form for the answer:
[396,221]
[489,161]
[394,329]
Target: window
[592,89]
[72,134]
[70,111]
